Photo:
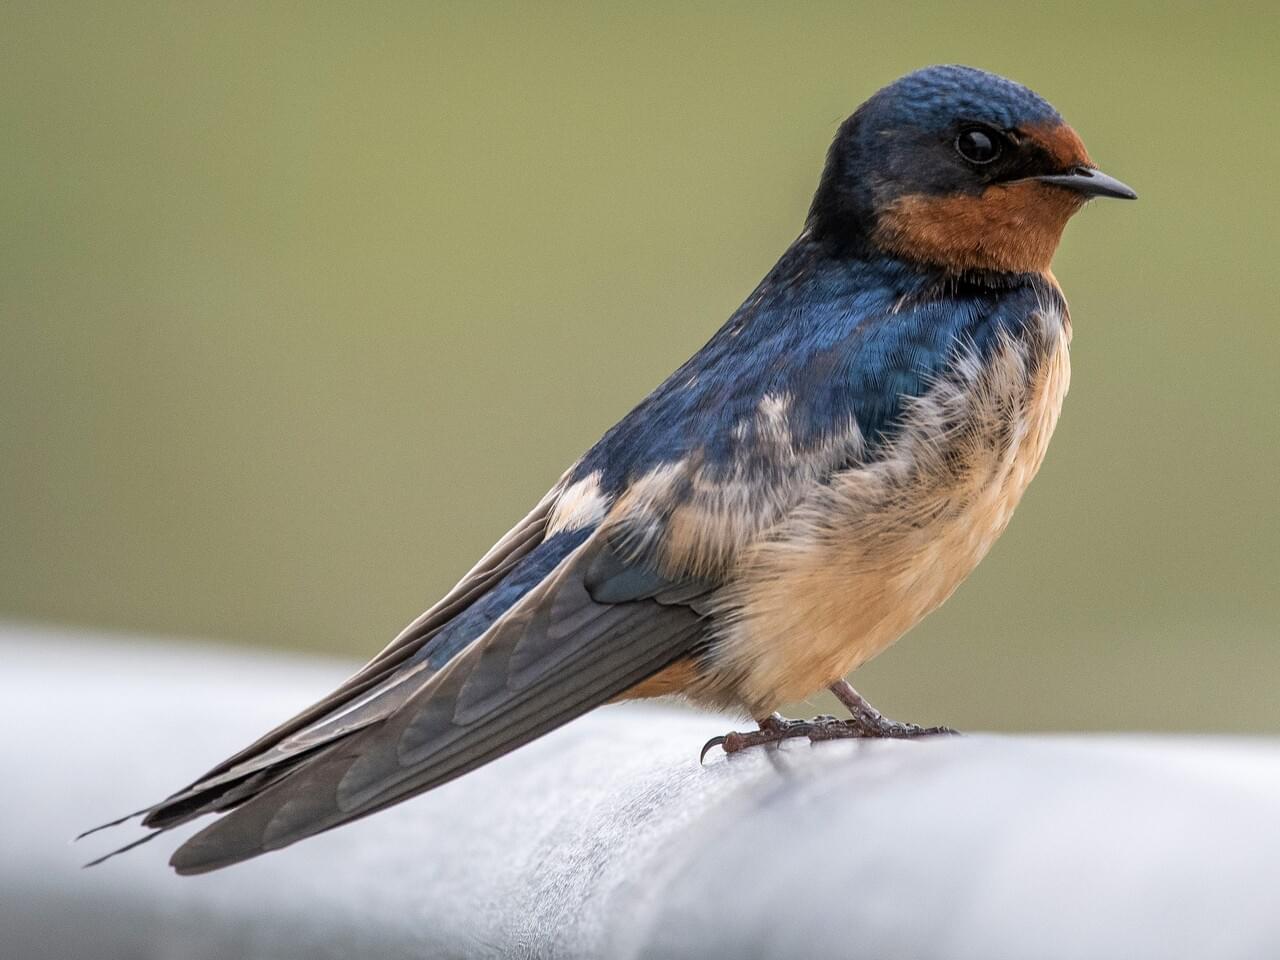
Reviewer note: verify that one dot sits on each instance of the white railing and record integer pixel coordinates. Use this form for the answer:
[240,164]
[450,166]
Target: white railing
[607,839]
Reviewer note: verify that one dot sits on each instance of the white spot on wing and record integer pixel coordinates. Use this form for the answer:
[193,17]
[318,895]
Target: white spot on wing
[581,505]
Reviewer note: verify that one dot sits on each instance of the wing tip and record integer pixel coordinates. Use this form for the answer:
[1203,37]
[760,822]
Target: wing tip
[213,848]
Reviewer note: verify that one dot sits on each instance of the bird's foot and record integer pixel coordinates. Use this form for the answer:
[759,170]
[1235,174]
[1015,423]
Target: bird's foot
[865,723]
[873,723]
[776,728]
[877,726]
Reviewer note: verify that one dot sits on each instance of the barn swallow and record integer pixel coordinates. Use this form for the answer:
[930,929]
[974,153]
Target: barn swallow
[821,475]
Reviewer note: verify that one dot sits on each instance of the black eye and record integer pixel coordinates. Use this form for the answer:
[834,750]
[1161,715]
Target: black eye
[978,146]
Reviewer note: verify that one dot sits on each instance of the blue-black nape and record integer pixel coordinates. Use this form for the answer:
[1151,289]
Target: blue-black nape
[902,141]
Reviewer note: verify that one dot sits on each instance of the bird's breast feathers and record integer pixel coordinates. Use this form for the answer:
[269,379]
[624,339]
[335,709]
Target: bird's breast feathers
[869,554]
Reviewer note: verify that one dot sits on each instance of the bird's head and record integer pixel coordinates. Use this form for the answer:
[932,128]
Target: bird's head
[958,168]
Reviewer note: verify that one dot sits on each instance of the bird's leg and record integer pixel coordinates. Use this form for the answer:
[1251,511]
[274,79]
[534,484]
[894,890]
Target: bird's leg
[871,722]
[865,722]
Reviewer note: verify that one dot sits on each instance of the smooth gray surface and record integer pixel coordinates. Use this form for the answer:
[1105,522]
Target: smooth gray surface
[606,839]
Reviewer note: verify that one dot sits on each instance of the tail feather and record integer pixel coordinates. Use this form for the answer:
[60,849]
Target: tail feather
[119,850]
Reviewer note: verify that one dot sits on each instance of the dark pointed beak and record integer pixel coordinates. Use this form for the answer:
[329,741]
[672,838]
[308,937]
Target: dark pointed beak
[1090,183]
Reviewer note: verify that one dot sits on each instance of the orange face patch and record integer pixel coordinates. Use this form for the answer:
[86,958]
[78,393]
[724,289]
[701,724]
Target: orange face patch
[1011,227]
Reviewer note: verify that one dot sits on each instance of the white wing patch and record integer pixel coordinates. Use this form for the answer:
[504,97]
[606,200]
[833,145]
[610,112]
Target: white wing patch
[582,504]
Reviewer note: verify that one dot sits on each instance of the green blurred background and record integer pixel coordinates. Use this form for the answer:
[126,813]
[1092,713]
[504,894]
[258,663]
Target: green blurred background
[303,304]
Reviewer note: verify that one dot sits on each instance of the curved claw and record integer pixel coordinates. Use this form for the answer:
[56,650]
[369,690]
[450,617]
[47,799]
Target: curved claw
[713,742]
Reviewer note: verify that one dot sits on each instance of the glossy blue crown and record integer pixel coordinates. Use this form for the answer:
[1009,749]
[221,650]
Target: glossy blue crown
[932,98]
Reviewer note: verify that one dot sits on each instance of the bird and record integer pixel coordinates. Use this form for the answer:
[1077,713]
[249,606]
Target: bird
[822,474]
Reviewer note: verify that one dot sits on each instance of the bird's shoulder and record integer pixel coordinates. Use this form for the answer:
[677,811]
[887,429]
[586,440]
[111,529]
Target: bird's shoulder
[810,376]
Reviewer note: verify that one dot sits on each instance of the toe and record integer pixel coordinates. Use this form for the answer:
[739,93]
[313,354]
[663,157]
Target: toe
[713,742]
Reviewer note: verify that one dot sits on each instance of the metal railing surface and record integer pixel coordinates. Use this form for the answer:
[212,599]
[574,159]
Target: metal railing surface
[607,839]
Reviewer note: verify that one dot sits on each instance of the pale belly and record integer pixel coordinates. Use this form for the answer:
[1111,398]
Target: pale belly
[869,555]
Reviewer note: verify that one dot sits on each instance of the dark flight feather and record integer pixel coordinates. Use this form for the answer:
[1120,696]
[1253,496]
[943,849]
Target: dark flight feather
[554,655]
[366,697]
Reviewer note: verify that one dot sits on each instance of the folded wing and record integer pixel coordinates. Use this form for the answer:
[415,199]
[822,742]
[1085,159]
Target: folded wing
[371,694]
[552,656]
